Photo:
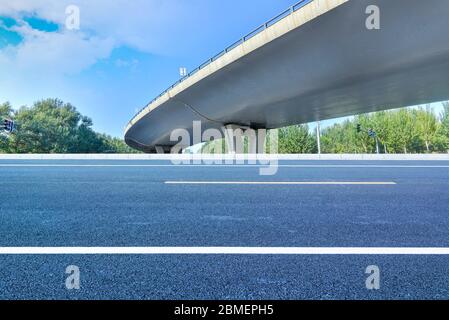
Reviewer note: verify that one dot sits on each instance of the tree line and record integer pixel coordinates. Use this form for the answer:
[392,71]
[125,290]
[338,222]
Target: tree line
[405,130]
[52,126]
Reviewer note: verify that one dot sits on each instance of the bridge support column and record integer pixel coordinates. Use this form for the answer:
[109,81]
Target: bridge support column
[159,150]
[233,133]
[234,137]
[256,140]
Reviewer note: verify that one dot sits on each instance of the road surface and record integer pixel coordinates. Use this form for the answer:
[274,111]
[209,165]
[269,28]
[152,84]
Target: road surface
[123,204]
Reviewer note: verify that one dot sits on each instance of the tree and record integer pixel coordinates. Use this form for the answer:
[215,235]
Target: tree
[296,139]
[52,126]
[49,126]
[116,145]
[426,126]
[382,125]
[6,112]
[441,138]
[404,130]
[344,138]
[214,147]
[399,131]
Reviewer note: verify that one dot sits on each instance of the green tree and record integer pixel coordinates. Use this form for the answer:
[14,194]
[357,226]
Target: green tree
[404,132]
[52,126]
[427,125]
[6,112]
[214,147]
[296,139]
[441,139]
[49,126]
[116,145]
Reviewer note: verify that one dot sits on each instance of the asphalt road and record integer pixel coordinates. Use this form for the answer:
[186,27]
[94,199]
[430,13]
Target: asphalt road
[128,204]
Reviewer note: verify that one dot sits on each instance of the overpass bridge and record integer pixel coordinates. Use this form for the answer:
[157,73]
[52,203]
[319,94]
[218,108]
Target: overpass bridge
[315,61]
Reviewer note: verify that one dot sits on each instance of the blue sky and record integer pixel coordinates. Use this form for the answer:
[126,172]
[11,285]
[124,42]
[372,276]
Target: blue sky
[124,54]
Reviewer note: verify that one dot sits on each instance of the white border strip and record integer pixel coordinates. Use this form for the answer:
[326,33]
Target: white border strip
[199,157]
[224,250]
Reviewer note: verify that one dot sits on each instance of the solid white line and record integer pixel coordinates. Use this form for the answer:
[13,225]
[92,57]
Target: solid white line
[359,166]
[285,182]
[218,165]
[224,250]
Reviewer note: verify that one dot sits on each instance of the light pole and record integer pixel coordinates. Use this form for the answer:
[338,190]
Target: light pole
[318,141]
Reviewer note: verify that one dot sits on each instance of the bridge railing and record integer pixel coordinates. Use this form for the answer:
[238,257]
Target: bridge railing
[250,35]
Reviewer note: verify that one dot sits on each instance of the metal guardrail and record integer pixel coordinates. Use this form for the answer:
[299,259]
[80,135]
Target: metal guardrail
[250,35]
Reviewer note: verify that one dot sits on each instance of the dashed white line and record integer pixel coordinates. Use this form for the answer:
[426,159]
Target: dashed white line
[284,182]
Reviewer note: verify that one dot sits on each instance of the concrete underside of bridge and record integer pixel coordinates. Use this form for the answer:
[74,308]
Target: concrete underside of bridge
[328,67]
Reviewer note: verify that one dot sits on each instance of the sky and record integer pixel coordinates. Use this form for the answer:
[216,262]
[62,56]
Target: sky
[124,53]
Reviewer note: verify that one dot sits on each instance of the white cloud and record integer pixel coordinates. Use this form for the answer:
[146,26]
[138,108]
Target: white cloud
[144,25]
[51,64]
[122,63]
[58,52]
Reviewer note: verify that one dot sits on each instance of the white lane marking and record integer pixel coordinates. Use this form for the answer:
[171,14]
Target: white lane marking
[225,250]
[222,165]
[286,182]
[359,166]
